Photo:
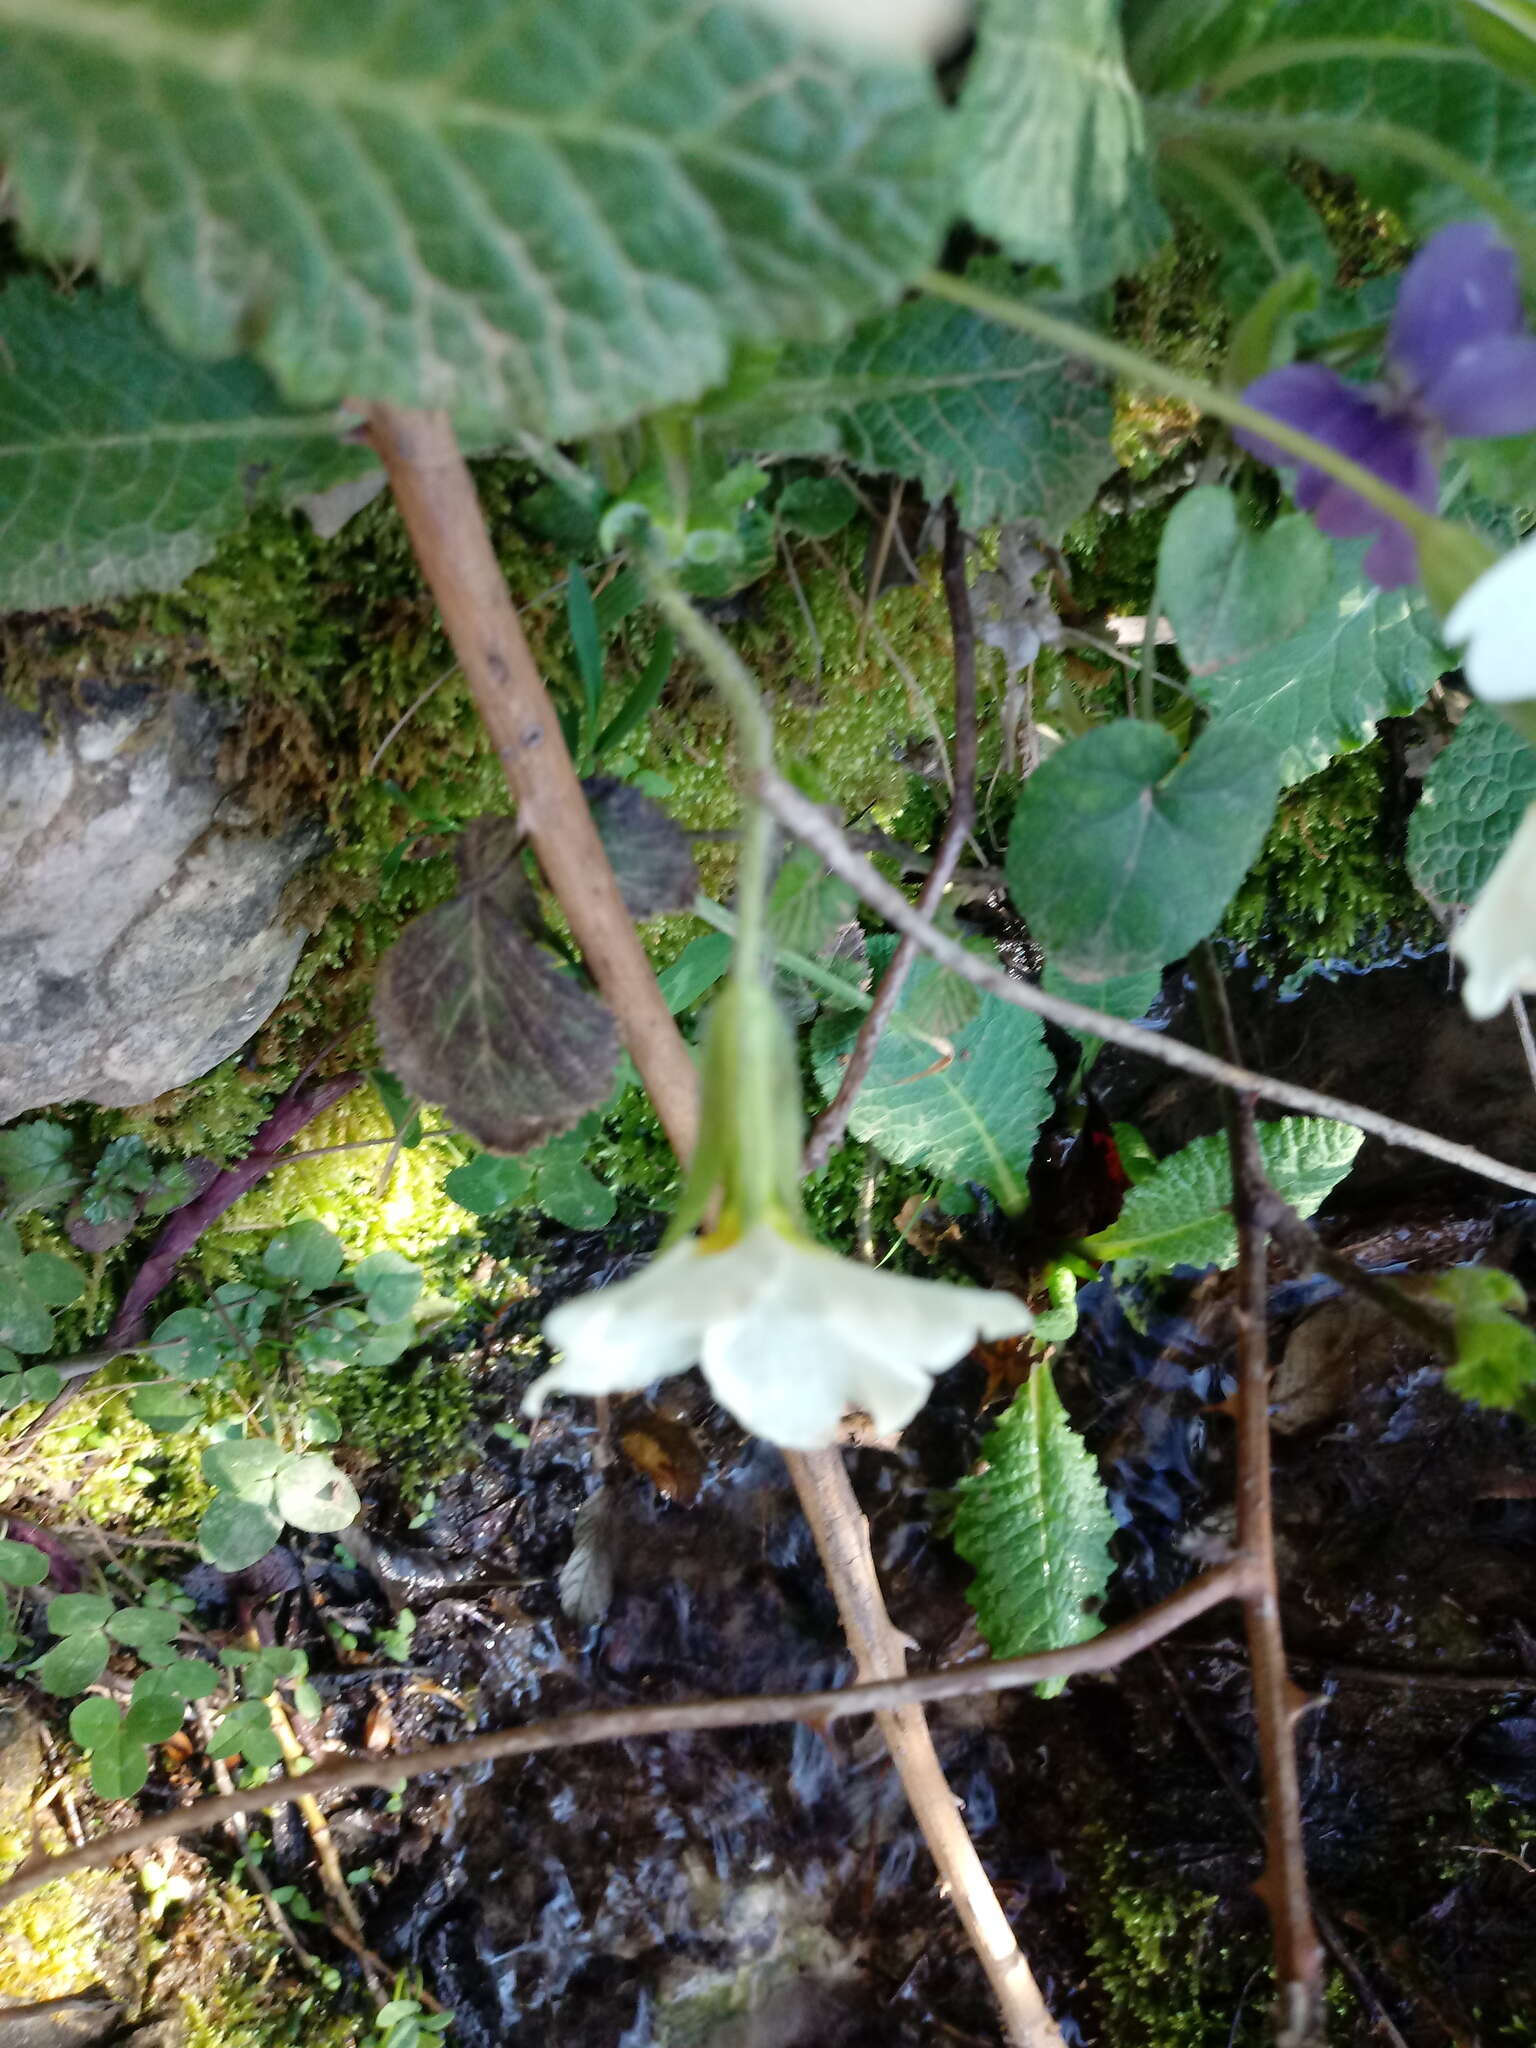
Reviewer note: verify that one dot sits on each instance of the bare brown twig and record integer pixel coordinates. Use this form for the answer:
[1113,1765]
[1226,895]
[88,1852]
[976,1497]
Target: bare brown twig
[1276,1701]
[828,1131]
[620,1724]
[810,824]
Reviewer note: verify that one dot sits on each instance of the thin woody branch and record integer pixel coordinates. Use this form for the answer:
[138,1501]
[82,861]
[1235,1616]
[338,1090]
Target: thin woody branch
[830,1127]
[622,1724]
[810,824]
[1276,1700]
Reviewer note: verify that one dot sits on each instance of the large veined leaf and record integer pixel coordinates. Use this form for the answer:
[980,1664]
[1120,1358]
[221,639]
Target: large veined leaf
[1169,46]
[1475,794]
[963,405]
[558,213]
[1365,654]
[1123,855]
[1258,222]
[1181,1215]
[967,1105]
[1381,92]
[121,463]
[1054,142]
[1035,1525]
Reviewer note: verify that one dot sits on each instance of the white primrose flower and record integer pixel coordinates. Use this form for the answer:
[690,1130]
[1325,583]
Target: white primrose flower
[790,1336]
[1496,940]
[1494,624]
[875,28]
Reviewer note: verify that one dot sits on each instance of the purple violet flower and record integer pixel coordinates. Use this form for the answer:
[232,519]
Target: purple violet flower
[1459,363]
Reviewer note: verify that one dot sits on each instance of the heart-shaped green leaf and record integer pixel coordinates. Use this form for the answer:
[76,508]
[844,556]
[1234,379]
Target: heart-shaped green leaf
[245,1466]
[390,1284]
[1123,855]
[21,1564]
[488,1183]
[75,1663]
[1230,592]
[307,1254]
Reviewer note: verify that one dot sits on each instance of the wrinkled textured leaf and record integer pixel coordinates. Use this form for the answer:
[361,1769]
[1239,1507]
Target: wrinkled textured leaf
[121,462]
[1429,80]
[965,406]
[1123,855]
[1229,592]
[1035,1526]
[1172,46]
[968,1109]
[649,852]
[1366,654]
[559,214]
[473,1015]
[1054,141]
[1182,1214]
[1475,794]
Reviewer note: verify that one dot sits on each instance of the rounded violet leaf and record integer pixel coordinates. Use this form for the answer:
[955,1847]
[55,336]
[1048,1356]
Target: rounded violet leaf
[1488,389]
[1462,288]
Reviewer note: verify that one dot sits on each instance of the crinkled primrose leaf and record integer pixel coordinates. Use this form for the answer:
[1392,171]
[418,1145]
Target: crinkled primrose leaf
[649,852]
[1495,1351]
[1035,1524]
[474,1015]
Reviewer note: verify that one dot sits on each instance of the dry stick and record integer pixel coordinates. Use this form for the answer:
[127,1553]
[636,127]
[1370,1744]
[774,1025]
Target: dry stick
[622,1724]
[438,502]
[828,1131]
[1276,1701]
[880,1651]
[809,823]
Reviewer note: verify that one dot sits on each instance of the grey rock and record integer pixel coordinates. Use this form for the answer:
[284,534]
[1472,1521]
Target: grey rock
[141,934]
[79,2022]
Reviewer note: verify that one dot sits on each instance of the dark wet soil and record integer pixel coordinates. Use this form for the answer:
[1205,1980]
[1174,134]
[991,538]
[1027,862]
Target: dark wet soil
[769,1887]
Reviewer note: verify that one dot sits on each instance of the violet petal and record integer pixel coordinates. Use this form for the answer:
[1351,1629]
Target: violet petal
[1487,389]
[1319,402]
[1463,287]
[1393,558]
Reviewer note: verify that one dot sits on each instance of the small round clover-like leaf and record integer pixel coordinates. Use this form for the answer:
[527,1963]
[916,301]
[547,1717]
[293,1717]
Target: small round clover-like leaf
[307,1254]
[154,1717]
[68,1613]
[94,1722]
[191,1343]
[387,1343]
[573,1196]
[476,1017]
[119,1765]
[246,1466]
[1123,855]
[234,1533]
[1229,592]
[75,1663]
[166,1410]
[315,1494]
[649,852]
[21,1564]
[488,1183]
[142,1627]
[53,1281]
[390,1285]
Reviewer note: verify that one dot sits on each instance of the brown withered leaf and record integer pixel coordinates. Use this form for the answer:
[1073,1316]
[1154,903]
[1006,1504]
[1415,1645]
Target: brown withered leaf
[649,851]
[474,1016]
[668,1453]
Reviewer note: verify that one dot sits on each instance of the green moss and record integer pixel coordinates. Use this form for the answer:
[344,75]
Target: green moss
[51,1941]
[1325,887]
[410,1418]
